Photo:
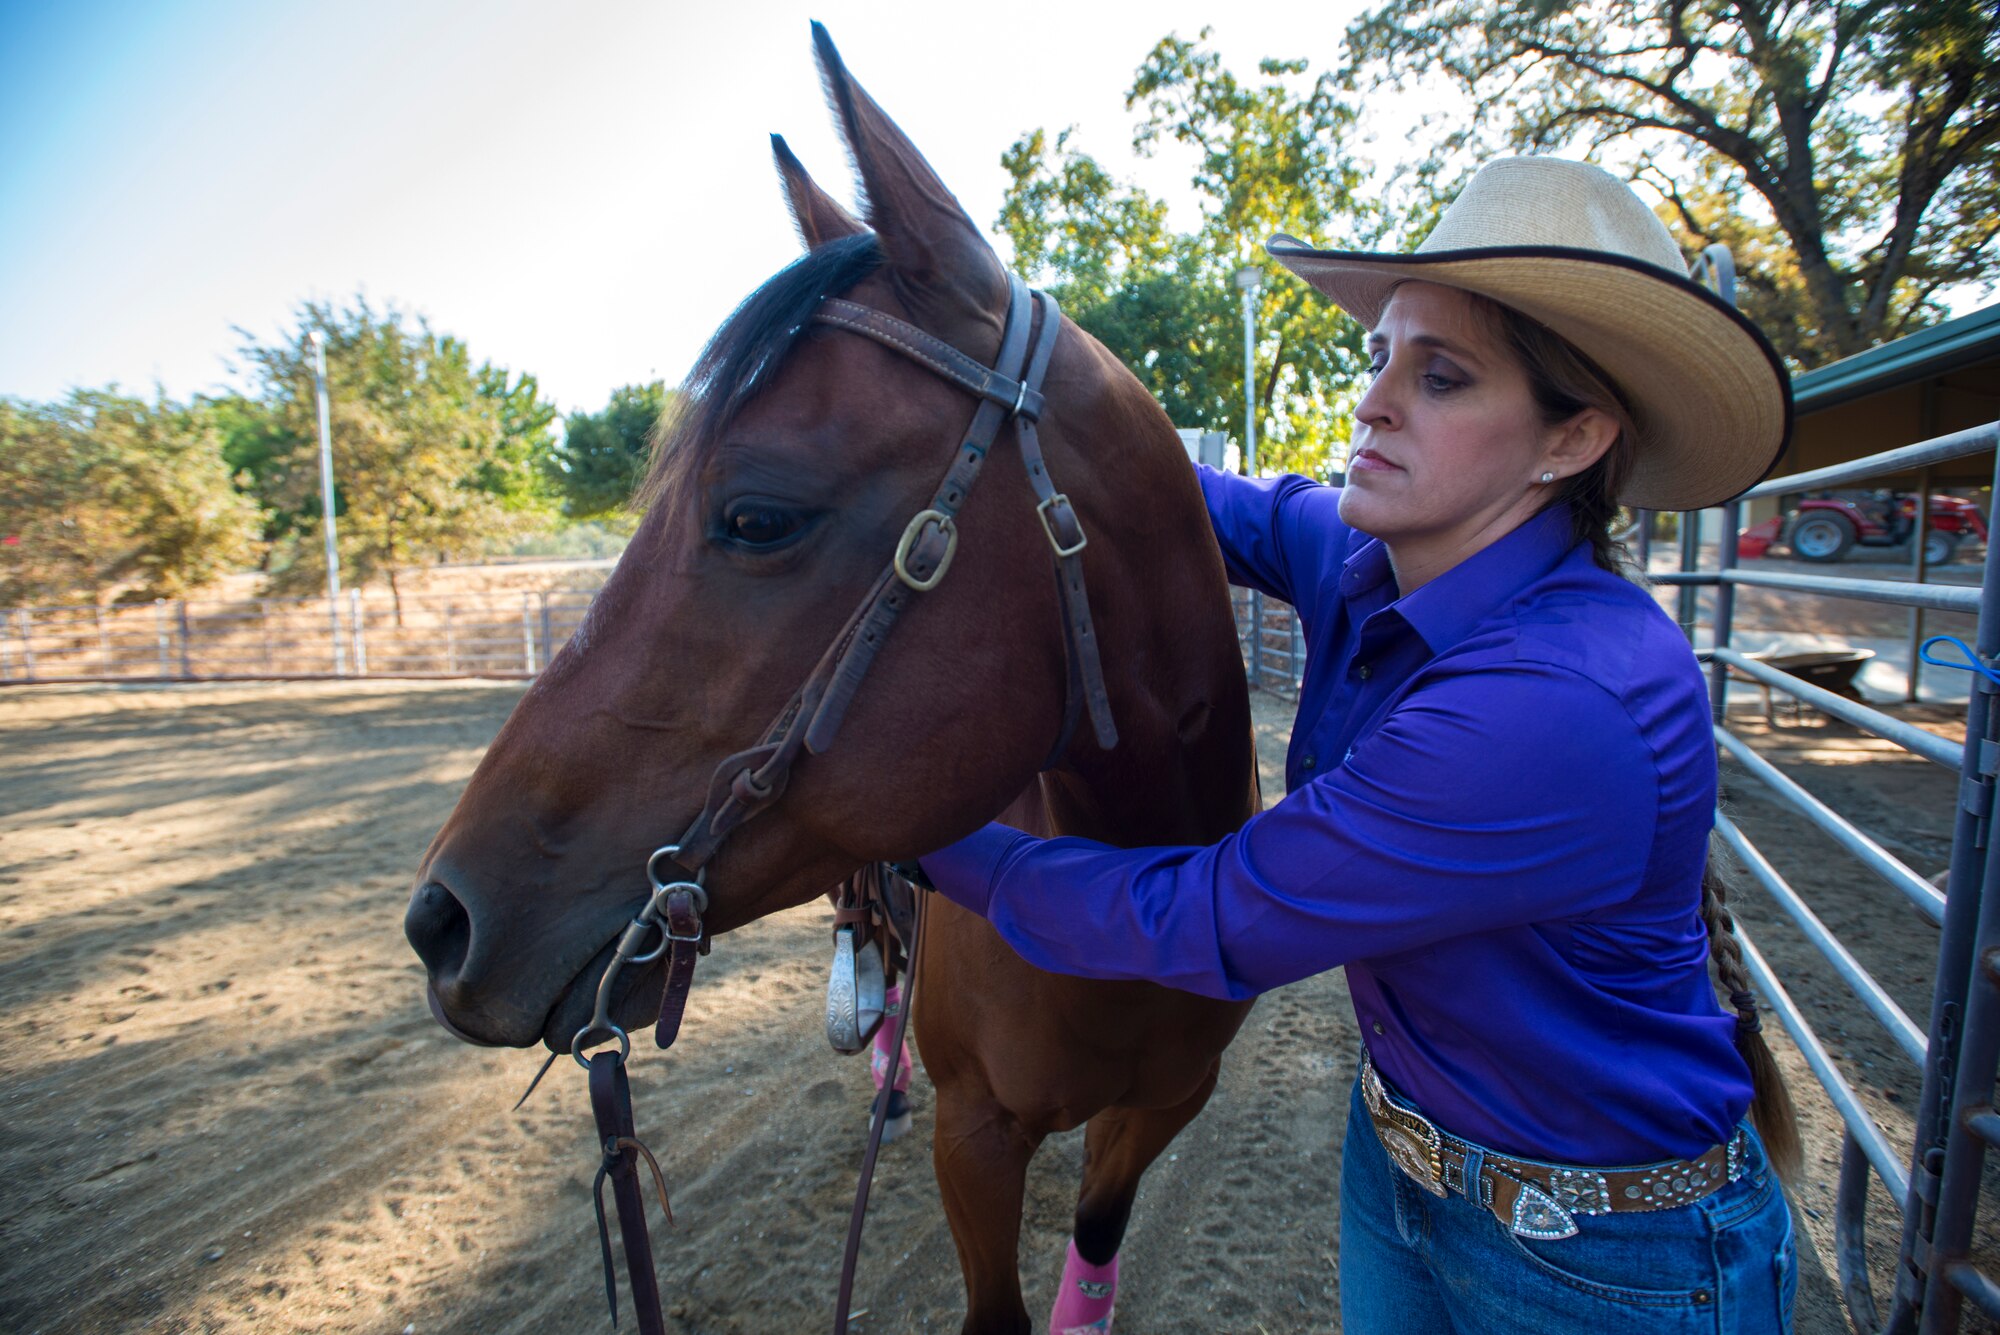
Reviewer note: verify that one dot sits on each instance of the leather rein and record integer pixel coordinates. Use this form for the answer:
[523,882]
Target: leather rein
[748,782]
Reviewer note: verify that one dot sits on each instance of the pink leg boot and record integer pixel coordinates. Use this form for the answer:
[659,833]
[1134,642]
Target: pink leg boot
[1085,1301]
[885,1036]
[897,1120]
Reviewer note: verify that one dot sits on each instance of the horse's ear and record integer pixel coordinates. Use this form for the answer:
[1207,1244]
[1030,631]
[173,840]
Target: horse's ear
[819,217]
[932,248]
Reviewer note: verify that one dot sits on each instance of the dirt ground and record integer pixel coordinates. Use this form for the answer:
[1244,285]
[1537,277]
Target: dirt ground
[224,1108]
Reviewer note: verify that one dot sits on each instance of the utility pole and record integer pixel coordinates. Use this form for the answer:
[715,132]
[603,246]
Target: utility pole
[318,341]
[1248,279]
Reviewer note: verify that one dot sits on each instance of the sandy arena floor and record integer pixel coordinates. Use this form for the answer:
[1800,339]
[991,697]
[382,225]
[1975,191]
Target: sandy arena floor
[224,1108]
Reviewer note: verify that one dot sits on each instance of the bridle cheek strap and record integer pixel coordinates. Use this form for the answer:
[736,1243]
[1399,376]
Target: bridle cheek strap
[746,783]
[1001,397]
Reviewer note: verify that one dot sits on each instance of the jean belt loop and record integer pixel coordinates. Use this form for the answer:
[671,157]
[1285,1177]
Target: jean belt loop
[1469,1183]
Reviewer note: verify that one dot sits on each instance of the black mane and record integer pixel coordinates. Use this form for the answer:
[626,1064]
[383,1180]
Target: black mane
[748,349]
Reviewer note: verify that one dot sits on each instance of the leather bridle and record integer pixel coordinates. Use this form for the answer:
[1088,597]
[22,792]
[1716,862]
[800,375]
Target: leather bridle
[750,781]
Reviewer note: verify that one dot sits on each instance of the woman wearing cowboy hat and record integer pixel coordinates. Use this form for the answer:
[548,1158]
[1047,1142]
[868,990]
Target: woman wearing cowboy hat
[1501,785]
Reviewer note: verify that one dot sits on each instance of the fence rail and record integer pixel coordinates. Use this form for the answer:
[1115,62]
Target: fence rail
[427,635]
[1273,645]
[1937,1184]
[419,635]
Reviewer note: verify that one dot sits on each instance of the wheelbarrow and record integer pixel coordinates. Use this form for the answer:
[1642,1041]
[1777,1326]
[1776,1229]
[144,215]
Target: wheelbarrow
[1829,669]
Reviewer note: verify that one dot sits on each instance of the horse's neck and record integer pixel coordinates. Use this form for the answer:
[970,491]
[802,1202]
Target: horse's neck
[1184,768]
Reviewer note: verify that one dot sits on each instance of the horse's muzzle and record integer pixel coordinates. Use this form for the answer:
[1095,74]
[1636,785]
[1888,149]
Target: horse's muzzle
[437,1013]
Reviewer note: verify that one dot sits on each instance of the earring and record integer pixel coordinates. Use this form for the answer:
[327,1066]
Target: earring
[1548,478]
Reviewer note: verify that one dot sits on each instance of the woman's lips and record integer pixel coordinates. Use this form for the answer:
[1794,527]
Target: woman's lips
[1367,461]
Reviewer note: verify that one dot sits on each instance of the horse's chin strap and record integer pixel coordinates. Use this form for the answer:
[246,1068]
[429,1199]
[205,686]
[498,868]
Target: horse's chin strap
[750,781]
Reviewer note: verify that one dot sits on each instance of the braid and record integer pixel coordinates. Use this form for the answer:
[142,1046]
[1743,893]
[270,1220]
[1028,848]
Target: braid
[1771,1109]
[1726,952]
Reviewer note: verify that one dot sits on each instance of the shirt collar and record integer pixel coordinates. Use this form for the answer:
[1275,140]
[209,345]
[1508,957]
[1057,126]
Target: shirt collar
[1447,609]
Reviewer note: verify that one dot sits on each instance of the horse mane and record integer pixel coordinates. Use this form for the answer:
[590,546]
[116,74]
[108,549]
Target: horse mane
[743,355]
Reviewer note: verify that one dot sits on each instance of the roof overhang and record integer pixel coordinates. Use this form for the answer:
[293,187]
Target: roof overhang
[1935,351]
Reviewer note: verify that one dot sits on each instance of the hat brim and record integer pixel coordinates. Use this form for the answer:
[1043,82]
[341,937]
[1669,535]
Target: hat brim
[1712,400]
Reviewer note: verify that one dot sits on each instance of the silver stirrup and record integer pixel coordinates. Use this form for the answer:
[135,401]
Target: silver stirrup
[856,994]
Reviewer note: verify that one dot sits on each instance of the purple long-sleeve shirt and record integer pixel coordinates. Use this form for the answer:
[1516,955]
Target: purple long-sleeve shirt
[1501,788]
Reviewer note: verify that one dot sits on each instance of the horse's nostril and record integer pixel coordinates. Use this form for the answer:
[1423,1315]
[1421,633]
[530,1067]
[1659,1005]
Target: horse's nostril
[439,929]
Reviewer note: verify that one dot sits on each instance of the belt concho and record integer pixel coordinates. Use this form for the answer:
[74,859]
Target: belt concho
[1529,1197]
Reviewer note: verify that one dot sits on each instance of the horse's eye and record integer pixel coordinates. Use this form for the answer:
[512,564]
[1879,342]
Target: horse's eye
[762,525]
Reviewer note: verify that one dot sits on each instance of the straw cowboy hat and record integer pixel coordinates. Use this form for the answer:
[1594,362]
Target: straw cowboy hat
[1570,245]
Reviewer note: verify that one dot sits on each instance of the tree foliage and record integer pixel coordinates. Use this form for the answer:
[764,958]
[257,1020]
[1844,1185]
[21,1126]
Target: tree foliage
[105,494]
[433,454]
[1851,150]
[604,454]
[1268,158]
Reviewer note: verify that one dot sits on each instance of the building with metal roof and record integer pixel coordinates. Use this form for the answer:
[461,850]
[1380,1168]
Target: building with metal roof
[1937,380]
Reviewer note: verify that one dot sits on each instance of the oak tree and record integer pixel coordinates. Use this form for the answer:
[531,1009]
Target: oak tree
[1851,148]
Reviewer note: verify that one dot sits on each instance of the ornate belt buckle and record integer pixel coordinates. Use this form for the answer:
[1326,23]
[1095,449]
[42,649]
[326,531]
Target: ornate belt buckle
[1412,1140]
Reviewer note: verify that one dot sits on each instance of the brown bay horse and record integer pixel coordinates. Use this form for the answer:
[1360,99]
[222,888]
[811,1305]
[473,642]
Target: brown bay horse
[798,455]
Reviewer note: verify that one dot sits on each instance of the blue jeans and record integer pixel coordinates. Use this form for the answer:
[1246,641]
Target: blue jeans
[1413,1264]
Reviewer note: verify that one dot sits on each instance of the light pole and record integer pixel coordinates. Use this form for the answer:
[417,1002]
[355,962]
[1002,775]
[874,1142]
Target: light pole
[318,341]
[1248,279]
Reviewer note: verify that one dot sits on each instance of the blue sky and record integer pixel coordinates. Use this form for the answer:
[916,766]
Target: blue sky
[581,191]
[578,190]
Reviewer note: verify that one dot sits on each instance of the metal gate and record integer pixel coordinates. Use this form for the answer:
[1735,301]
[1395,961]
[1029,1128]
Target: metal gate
[1937,1181]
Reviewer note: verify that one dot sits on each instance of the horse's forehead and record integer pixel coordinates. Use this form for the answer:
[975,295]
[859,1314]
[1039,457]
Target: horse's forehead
[834,381]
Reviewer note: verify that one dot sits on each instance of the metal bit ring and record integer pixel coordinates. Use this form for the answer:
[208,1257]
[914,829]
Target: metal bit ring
[653,875]
[609,1030]
[656,951]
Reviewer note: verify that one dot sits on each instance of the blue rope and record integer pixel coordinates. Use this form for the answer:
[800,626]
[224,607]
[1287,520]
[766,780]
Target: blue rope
[1972,662]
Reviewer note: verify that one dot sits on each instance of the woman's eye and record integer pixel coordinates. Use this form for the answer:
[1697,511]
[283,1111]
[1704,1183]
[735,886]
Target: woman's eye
[1439,383]
[762,525]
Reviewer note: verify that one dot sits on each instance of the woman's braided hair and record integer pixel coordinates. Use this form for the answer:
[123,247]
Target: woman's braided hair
[1564,382]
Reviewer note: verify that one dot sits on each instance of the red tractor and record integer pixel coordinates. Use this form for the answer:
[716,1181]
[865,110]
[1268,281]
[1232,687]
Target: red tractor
[1826,528]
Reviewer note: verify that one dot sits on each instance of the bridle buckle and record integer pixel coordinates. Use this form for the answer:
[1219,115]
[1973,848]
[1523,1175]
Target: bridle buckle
[1048,527]
[919,521]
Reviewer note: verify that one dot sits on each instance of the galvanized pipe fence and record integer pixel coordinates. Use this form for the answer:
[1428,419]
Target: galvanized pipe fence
[433,635]
[497,634]
[1935,1181]
[1267,631]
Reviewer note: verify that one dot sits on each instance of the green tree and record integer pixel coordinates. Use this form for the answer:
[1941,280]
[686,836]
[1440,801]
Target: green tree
[252,442]
[603,454]
[107,495]
[1268,159]
[434,455]
[1852,147]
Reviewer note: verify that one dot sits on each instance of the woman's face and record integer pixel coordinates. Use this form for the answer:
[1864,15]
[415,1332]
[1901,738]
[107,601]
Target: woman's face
[1449,446]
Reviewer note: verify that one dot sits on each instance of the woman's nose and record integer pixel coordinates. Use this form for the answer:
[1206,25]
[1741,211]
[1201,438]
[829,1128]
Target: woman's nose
[1378,406]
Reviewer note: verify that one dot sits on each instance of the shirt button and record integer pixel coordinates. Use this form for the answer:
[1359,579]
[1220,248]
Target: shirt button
[1377,1026]
[1362,672]
[1308,762]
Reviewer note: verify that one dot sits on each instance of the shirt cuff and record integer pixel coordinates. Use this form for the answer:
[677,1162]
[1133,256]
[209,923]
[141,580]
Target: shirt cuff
[963,872]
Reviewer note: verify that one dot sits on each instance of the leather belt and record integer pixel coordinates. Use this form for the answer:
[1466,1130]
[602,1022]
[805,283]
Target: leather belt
[1529,1197]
